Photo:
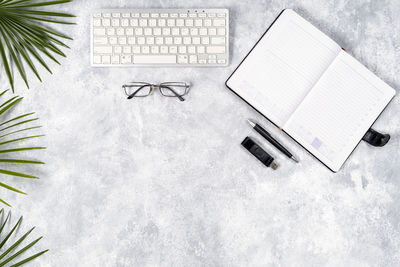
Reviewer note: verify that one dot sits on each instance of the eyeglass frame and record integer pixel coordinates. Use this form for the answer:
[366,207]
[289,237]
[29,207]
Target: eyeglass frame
[159,86]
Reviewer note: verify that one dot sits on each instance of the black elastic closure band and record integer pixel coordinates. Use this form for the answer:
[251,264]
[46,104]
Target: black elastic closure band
[375,138]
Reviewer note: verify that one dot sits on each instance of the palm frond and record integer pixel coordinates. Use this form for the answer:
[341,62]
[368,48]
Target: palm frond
[16,127]
[9,254]
[25,35]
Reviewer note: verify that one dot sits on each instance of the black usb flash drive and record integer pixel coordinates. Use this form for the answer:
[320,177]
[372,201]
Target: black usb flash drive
[259,153]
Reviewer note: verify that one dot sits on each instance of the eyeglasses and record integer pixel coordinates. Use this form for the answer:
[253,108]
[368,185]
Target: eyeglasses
[168,89]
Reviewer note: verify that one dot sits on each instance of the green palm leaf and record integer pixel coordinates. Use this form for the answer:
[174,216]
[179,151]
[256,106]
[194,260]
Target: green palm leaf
[19,127]
[9,254]
[25,36]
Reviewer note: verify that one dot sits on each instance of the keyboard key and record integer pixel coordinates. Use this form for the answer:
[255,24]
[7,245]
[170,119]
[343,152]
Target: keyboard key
[187,40]
[219,22]
[115,60]
[154,59]
[203,31]
[105,59]
[150,40]
[99,31]
[215,49]
[171,22]
[183,59]
[212,31]
[148,31]
[175,31]
[161,22]
[168,40]
[126,15]
[155,49]
[112,40]
[115,22]
[191,49]
[96,22]
[221,31]
[218,40]
[189,22]
[134,22]
[117,49]
[129,31]
[184,31]
[178,40]
[110,31]
[157,31]
[159,40]
[124,22]
[145,49]
[198,23]
[120,31]
[194,31]
[136,49]
[166,31]
[126,59]
[152,22]
[122,40]
[182,50]
[193,59]
[173,49]
[145,15]
[106,22]
[97,15]
[127,49]
[138,31]
[207,22]
[205,40]
[116,15]
[221,61]
[131,40]
[102,49]
[100,40]
[143,22]
[196,40]
[180,22]
[96,59]
[164,49]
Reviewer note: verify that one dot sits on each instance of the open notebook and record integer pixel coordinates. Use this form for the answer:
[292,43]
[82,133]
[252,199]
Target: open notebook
[308,86]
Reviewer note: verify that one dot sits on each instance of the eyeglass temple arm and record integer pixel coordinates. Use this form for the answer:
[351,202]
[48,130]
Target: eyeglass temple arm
[172,90]
[140,88]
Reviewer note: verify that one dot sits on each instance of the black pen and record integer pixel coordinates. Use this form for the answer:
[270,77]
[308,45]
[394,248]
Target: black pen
[270,139]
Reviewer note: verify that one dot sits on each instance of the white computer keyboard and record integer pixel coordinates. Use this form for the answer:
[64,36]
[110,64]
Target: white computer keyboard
[160,37]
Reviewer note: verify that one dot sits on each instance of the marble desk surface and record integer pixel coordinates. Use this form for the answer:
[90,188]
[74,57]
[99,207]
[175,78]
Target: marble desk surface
[159,182]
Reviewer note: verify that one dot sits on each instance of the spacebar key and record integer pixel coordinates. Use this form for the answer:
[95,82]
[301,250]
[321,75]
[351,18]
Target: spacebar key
[162,59]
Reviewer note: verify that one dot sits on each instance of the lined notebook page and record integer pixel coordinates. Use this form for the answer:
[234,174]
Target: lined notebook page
[283,67]
[339,110]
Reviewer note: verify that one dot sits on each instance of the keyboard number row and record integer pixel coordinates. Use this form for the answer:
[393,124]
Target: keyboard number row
[97,22]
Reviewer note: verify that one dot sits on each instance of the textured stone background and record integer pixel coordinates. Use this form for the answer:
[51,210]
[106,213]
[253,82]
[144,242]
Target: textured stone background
[160,182]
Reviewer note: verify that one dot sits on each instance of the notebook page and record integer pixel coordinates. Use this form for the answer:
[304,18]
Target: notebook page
[282,68]
[339,110]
